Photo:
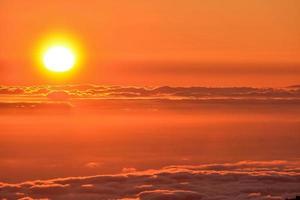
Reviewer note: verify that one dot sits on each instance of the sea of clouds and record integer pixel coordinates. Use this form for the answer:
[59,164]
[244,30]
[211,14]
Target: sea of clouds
[253,180]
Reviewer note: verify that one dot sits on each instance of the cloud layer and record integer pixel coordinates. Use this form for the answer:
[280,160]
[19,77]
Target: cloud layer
[66,97]
[90,91]
[252,180]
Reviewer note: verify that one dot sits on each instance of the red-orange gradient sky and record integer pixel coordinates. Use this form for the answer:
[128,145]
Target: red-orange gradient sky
[170,42]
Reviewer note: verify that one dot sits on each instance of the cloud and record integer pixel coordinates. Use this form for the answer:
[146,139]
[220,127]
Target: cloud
[11,90]
[59,95]
[169,194]
[252,180]
[97,97]
[128,169]
[92,165]
[35,105]
[64,92]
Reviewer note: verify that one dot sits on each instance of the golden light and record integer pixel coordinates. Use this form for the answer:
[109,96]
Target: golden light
[59,59]
[59,56]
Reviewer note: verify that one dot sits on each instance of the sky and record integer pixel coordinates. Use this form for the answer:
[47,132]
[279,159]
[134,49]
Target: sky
[170,42]
[168,99]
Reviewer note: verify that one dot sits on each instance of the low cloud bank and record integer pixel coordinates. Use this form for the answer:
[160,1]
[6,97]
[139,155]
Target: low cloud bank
[81,91]
[243,180]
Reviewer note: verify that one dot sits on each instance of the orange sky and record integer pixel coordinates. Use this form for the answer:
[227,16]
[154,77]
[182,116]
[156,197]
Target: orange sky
[170,42]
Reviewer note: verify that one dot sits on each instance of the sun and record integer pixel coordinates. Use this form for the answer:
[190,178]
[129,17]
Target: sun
[59,59]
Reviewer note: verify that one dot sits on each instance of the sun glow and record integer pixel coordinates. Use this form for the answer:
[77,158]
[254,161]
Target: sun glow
[59,59]
[59,56]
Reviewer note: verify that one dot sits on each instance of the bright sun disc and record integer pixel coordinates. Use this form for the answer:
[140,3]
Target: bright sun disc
[59,59]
